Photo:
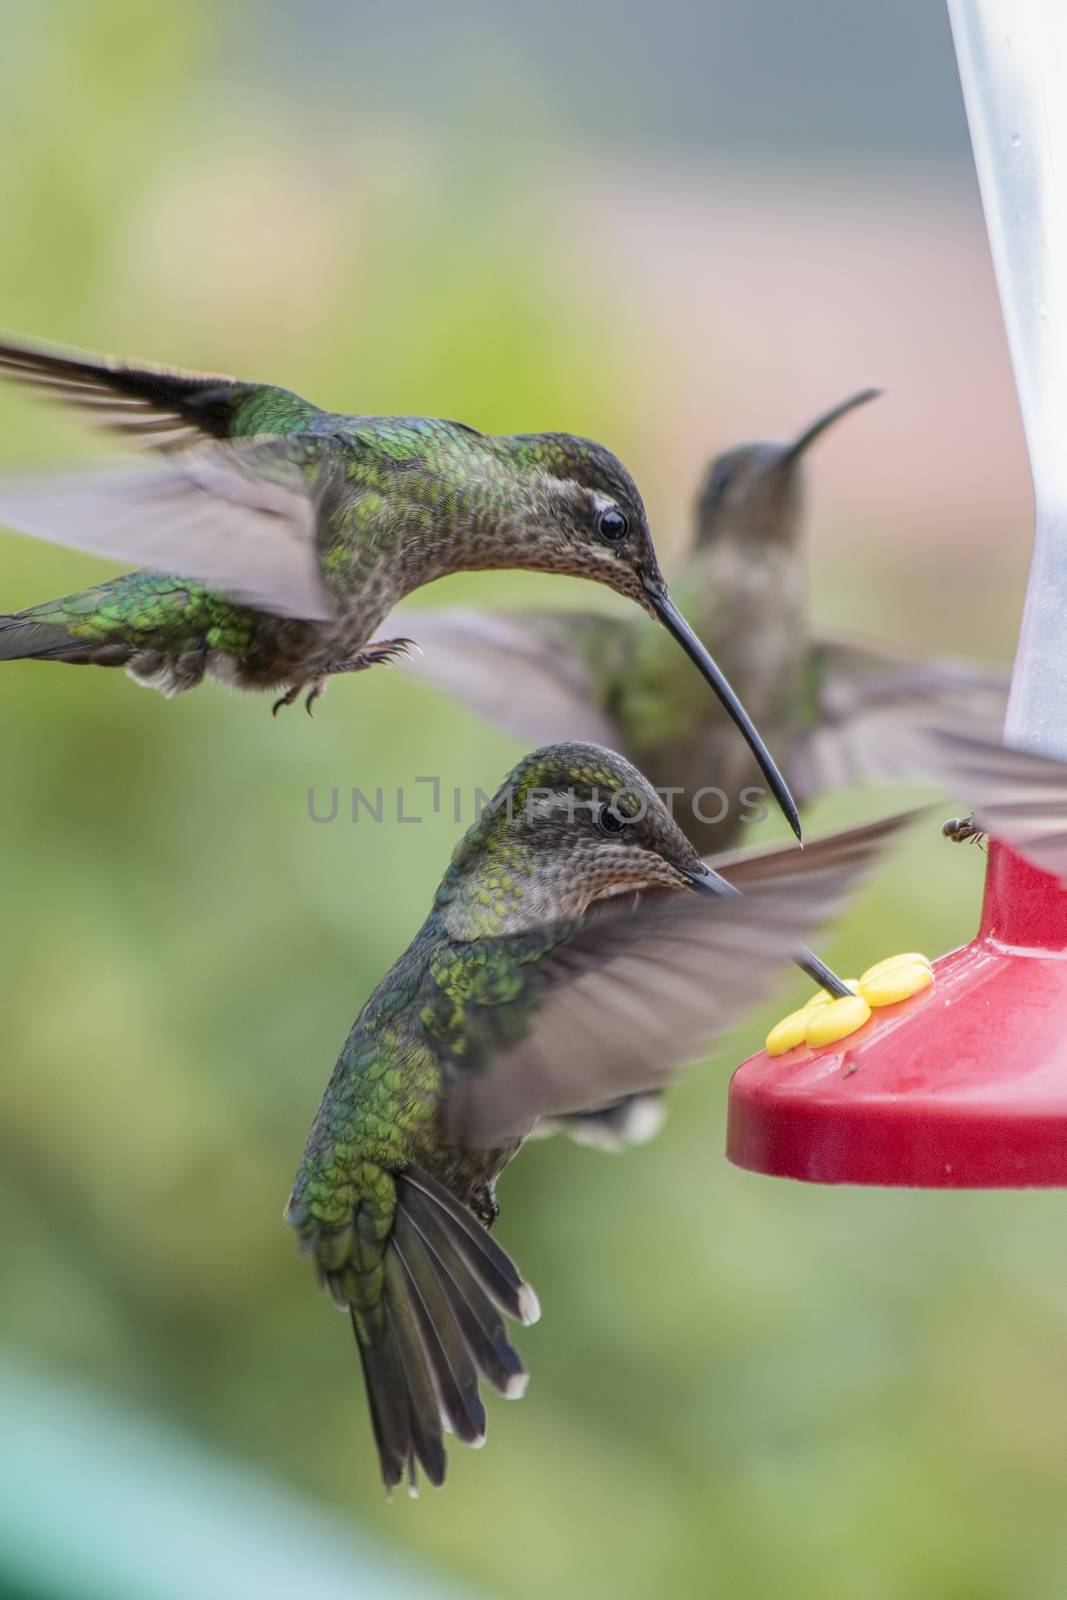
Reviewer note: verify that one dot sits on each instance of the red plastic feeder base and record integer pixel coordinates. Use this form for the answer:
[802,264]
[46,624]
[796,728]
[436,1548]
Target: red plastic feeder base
[962,1087]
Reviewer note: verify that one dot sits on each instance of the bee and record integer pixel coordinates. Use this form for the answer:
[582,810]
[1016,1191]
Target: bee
[962,829]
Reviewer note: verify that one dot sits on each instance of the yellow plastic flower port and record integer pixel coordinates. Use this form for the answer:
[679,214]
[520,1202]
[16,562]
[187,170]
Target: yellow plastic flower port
[788,1033]
[824,1020]
[837,1020]
[896,979]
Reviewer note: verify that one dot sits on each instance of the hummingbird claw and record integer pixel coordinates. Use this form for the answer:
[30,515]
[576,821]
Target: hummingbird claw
[371,655]
[285,700]
[388,650]
[317,690]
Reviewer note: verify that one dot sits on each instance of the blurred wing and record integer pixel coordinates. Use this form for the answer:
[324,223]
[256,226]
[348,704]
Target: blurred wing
[638,992]
[850,849]
[239,518]
[873,713]
[525,671]
[1016,795]
[160,406]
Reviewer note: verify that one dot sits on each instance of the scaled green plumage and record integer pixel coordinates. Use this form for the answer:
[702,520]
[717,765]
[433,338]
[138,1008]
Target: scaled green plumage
[290,533]
[566,962]
[398,501]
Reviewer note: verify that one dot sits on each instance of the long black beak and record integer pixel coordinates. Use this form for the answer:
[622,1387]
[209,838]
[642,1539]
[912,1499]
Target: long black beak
[708,881]
[827,420]
[675,623]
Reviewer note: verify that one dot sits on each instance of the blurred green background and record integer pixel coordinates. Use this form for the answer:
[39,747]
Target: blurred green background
[670,228]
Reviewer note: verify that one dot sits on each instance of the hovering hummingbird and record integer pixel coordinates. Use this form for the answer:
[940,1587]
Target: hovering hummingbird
[836,711]
[577,951]
[280,544]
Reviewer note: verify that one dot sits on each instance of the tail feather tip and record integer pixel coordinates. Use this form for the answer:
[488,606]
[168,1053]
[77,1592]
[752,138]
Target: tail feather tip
[529,1305]
[515,1387]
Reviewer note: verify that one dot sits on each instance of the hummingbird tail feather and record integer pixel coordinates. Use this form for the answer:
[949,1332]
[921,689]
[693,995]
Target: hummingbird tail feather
[447,1355]
[456,1297]
[22,637]
[443,1279]
[396,1418]
[494,1270]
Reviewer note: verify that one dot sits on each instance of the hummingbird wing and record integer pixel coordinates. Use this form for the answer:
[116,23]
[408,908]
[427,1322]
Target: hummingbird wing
[1019,796]
[855,848]
[872,713]
[164,407]
[614,1007]
[634,1119]
[237,517]
[534,673]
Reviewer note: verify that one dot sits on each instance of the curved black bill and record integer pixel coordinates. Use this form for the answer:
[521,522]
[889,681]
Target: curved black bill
[709,882]
[675,623]
[827,420]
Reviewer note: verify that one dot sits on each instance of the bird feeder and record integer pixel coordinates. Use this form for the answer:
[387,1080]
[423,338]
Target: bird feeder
[965,1085]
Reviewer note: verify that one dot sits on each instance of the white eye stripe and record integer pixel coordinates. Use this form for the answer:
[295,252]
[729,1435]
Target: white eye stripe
[563,805]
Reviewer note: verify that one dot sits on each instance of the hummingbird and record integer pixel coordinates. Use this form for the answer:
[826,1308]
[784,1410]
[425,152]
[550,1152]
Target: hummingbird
[836,710]
[276,537]
[577,951]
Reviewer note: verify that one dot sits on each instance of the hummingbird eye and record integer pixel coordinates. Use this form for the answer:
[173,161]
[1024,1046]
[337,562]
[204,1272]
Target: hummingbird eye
[609,821]
[612,524]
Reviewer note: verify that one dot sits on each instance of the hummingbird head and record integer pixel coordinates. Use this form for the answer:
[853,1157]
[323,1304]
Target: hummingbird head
[572,824]
[754,492]
[582,515]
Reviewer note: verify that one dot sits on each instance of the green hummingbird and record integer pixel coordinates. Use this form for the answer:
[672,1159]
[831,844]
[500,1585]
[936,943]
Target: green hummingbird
[577,950]
[279,544]
[835,710]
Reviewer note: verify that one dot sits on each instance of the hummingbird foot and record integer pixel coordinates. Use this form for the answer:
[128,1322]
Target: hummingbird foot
[316,692]
[287,699]
[485,1205]
[381,650]
[824,1020]
[371,654]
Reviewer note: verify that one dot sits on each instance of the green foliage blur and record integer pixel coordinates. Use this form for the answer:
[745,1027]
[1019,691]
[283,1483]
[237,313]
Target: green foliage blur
[739,1387]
